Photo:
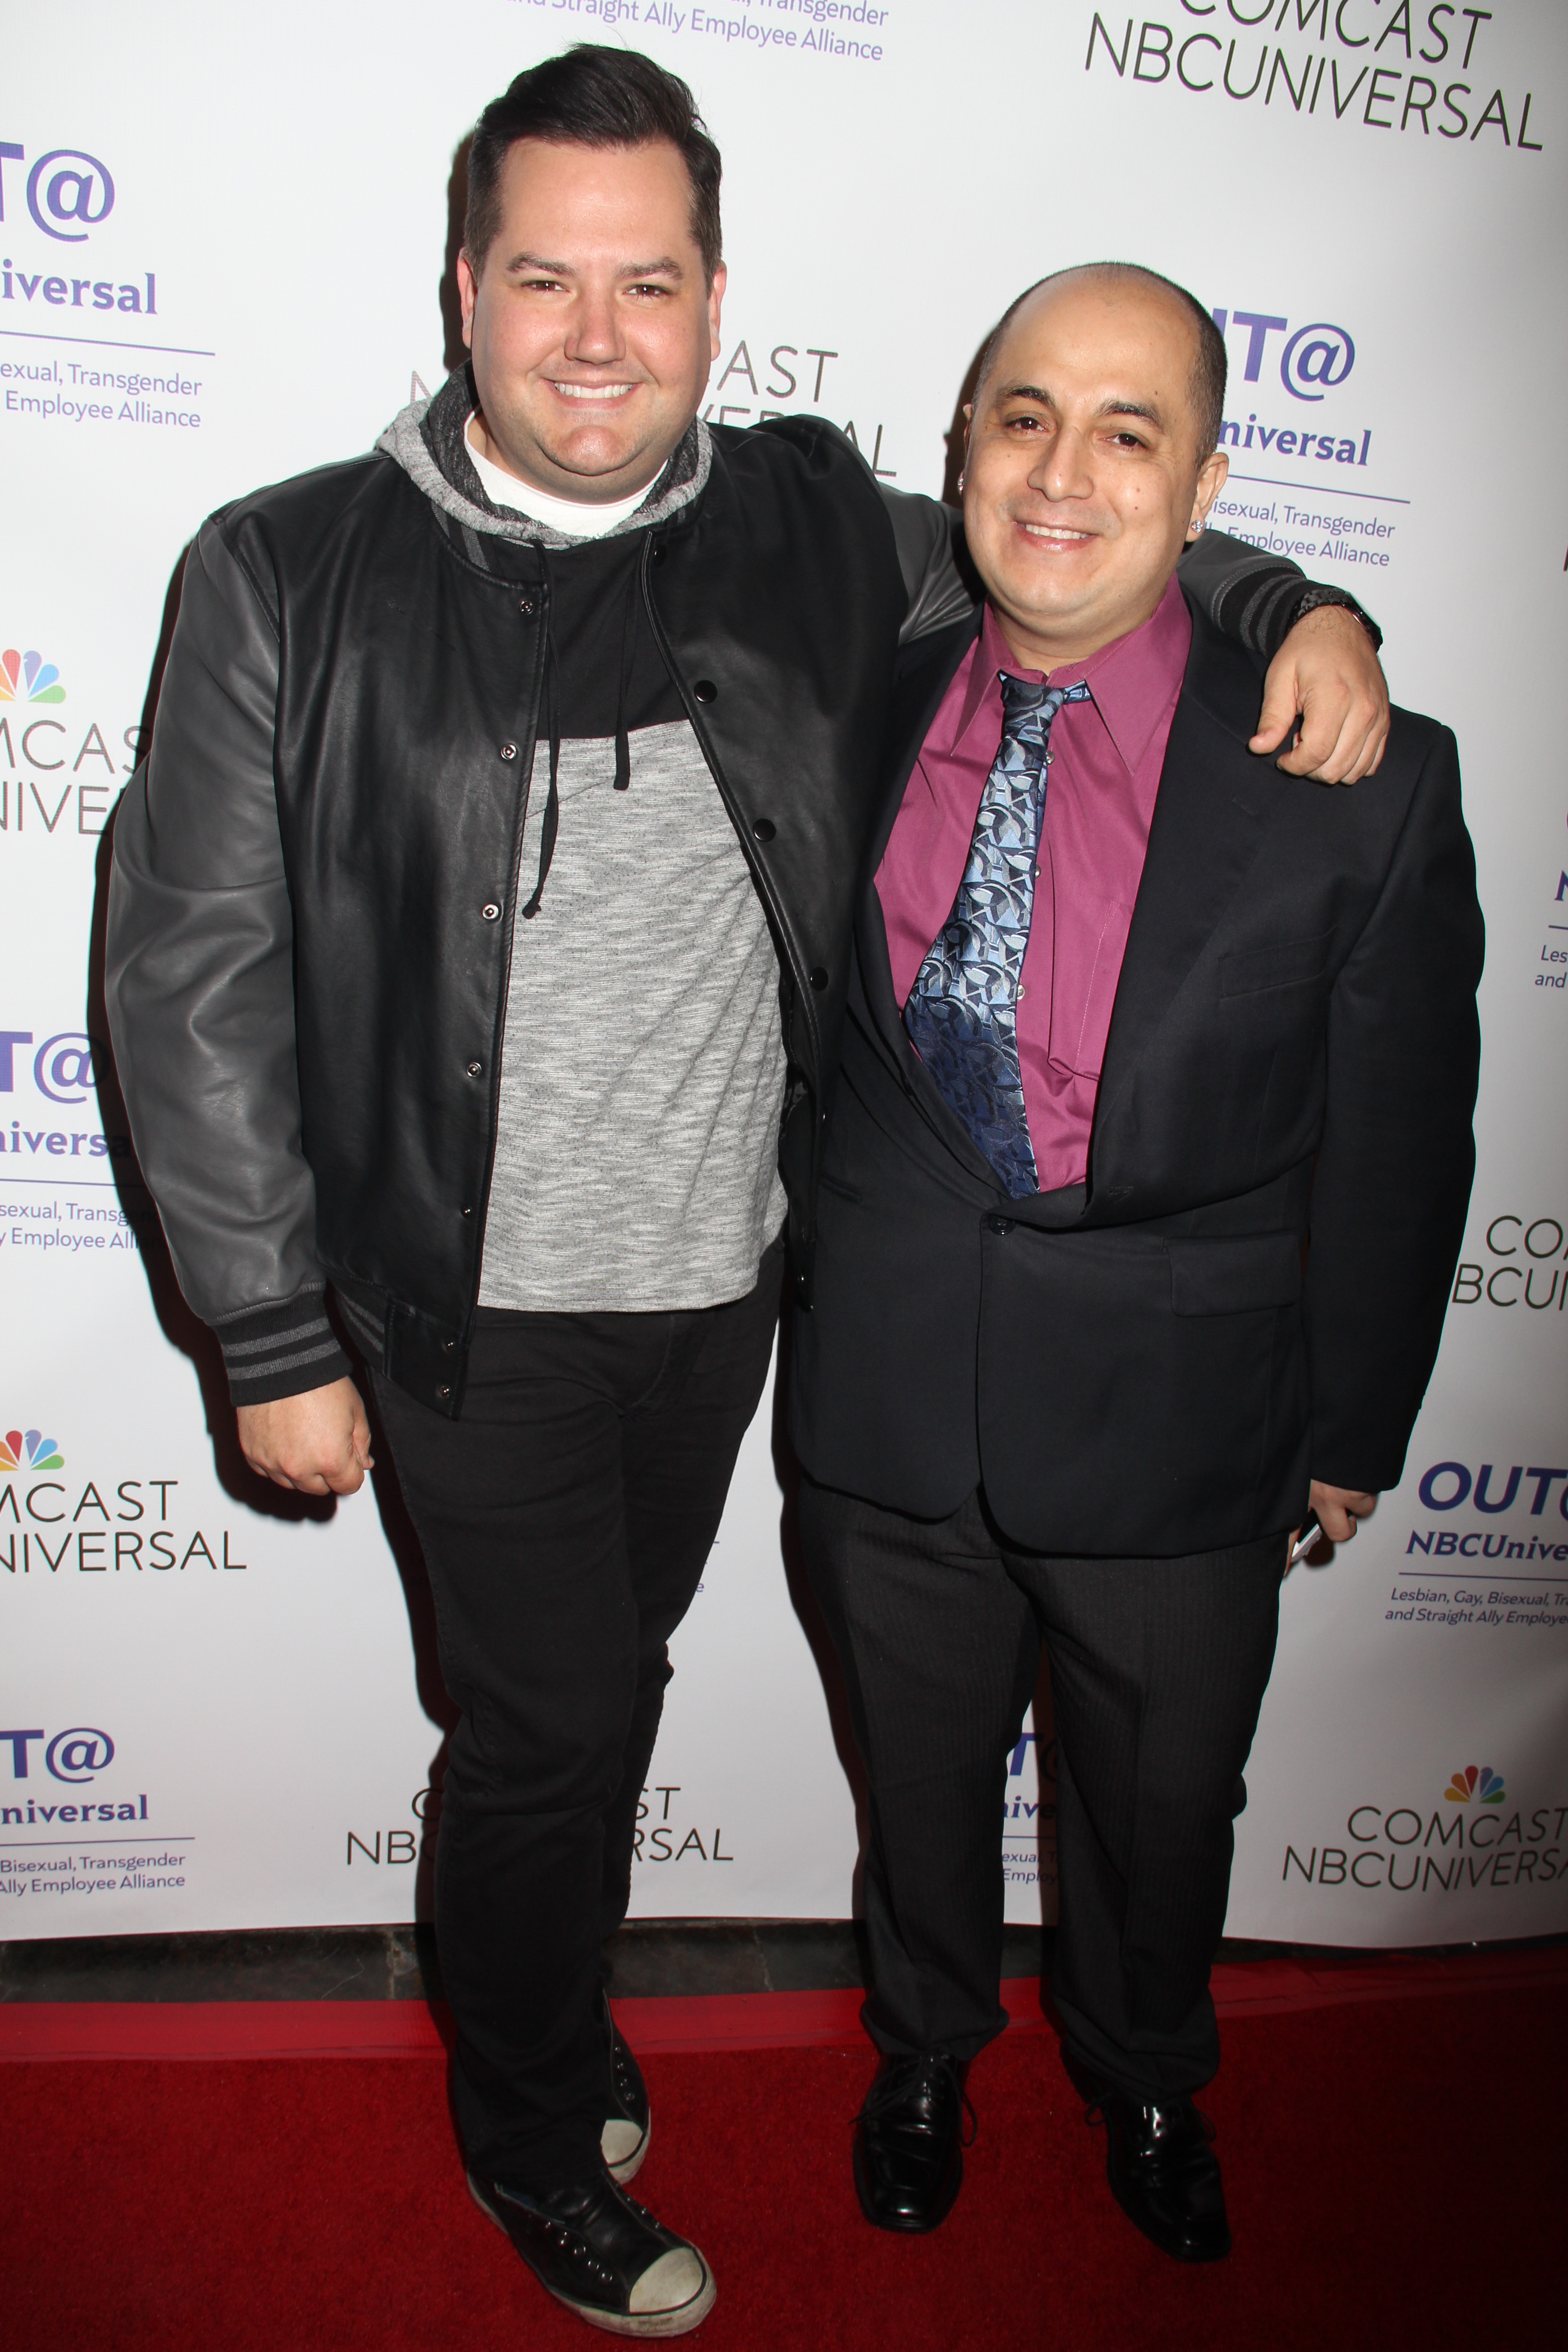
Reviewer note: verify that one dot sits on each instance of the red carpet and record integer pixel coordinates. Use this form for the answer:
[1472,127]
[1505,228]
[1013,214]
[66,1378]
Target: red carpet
[1394,2169]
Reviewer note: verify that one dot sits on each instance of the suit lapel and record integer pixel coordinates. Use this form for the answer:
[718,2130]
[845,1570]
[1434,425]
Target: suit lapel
[1215,803]
[925,672]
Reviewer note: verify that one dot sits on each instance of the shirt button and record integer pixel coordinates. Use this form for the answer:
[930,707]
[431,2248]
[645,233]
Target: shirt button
[475,1069]
[527,604]
[491,912]
[818,976]
[705,690]
[509,750]
[764,828]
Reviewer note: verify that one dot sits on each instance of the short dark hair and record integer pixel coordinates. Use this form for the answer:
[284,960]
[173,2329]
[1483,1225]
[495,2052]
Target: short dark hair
[1206,384]
[593,97]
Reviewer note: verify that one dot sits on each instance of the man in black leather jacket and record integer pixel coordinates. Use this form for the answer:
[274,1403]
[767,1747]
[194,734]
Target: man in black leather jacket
[479,938]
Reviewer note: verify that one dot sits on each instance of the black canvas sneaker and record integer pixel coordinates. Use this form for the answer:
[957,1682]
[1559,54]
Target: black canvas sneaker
[603,2255]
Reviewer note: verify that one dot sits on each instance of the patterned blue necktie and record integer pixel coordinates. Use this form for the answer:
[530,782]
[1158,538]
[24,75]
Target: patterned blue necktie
[962,1010]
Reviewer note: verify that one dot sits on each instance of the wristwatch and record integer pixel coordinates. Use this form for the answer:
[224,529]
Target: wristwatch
[1312,598]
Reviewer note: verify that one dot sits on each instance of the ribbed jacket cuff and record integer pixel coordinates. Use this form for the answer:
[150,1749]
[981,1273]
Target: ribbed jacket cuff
[280,1350]
[1263,607]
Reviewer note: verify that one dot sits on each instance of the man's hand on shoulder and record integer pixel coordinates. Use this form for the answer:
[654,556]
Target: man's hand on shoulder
[317,1443]
[1327,671]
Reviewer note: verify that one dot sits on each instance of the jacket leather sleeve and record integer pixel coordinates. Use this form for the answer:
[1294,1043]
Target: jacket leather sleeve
[1253,599]
[199,984]
[1393,1180]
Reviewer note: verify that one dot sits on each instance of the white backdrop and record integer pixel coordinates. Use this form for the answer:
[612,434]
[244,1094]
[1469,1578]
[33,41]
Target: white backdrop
[225,235]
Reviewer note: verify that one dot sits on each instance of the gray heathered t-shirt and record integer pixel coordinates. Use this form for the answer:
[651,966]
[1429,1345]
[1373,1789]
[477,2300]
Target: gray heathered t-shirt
[643,1070]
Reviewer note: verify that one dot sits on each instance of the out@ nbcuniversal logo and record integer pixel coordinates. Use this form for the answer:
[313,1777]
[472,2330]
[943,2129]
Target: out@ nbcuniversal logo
[74,1755]
[1472,1837]
[67,194]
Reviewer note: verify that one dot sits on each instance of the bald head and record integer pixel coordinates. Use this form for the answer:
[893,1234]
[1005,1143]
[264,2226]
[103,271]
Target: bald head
[1130,281]
[1090,459]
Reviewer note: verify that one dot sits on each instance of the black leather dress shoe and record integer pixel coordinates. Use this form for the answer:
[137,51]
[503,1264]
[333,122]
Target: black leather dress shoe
[1164,2175]
[909,2142]
[604,2256]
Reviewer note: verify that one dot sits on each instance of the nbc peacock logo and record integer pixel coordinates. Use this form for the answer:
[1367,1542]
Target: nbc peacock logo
[25,1449]
[1483,1785]
[28,677]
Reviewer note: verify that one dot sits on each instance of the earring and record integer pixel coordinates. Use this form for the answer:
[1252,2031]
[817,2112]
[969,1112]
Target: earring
[1194,526]
[960,481]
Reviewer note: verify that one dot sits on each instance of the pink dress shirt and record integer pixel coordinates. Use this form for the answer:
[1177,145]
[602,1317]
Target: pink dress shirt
[1100,803]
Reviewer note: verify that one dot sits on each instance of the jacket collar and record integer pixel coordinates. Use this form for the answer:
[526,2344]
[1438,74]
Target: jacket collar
[1216,804]
[428,440]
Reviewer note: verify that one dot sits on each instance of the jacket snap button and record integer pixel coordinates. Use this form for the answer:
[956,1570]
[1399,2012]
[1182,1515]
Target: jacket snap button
[474,1070]
[465,1212]
[443,1391]
[448,1347]
[818,976]
[525,605]
[491,912]
[509,750]
[705,690]
[764,828]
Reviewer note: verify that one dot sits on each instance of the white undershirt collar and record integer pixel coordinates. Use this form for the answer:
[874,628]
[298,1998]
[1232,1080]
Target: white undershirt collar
[575,518]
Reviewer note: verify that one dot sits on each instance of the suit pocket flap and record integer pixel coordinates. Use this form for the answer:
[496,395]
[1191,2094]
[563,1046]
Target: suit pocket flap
[1285,965]
[1235,1275]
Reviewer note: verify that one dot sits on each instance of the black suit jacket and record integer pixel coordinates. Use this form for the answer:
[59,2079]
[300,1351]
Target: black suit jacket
[1250,1289]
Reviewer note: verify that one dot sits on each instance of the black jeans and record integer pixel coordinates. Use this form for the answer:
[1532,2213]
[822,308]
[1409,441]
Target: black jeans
[1158,1669]
[566,1521]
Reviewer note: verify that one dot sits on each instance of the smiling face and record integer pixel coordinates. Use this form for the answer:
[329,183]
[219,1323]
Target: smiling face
[590,323]
[1083,477]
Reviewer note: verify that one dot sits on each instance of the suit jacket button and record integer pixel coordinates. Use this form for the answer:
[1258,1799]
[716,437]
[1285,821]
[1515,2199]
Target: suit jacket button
[443,1392]
[817,977]
[999,1225]
[525,605]
[705,690]
[763,827]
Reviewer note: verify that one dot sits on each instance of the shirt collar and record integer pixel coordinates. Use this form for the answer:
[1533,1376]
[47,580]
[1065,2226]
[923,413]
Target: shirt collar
[1134,680]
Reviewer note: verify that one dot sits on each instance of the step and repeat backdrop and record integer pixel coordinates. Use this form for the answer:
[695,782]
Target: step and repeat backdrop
[225,250]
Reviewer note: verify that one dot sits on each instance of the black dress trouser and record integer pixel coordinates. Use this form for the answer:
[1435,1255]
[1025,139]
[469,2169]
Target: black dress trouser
[1158,1669]
[566,1521]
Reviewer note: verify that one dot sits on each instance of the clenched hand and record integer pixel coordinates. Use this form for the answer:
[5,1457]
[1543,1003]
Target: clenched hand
[1327,671]
[317,1443]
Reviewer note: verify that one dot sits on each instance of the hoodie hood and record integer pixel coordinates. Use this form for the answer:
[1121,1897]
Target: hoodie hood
[428,440]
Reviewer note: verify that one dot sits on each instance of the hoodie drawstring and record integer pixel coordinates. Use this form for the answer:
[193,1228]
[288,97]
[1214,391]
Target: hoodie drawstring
[551,819]
[551,823]
[628,639]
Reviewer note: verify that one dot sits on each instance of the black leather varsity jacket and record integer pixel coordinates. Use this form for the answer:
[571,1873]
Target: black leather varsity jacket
[315,869]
